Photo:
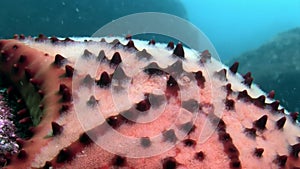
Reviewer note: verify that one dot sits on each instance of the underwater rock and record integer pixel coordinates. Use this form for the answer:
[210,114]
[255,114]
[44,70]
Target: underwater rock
[8,144]
[275,66]
[176,108]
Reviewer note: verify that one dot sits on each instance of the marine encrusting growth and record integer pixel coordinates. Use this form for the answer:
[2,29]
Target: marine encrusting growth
[8,143]
[182,108]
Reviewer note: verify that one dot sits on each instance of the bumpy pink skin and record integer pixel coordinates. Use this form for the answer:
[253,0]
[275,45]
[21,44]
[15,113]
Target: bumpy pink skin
[229,146]
[34,61]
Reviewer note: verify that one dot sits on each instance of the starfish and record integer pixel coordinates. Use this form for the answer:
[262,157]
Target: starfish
[118,102]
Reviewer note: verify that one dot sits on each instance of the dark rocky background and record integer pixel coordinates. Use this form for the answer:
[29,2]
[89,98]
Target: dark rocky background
[276,66]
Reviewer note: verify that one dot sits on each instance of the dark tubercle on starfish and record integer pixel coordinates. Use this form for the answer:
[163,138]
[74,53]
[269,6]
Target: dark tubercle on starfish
[206,96]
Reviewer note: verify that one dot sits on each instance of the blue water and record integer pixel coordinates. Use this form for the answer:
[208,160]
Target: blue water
[236,26]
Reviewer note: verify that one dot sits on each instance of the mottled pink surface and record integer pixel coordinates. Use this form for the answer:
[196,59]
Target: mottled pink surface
[177,114]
